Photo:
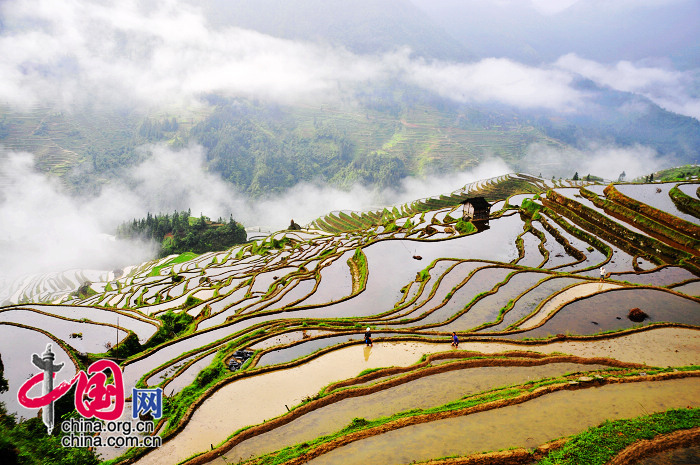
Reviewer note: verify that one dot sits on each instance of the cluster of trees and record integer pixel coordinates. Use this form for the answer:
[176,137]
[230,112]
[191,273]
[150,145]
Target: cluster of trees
[587,177]
[153,130]
[180,232]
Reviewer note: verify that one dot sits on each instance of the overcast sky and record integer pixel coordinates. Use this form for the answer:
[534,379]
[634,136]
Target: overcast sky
[118,52]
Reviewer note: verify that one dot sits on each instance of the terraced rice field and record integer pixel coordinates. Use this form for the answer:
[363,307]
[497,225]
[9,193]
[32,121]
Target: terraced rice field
[546,349]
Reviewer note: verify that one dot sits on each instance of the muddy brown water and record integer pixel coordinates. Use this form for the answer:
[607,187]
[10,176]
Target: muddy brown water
[426,392]
[306,348]
[529,424]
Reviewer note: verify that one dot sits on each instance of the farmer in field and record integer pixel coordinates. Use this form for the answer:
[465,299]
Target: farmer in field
[368,337]
[455,340]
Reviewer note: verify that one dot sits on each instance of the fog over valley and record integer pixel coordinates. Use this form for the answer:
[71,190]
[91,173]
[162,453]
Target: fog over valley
[292,109]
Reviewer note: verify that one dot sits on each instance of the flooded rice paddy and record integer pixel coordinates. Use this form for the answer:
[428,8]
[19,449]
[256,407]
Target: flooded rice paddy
[608,311]
[424,393]
[650,195]
[423,280]
[530,424]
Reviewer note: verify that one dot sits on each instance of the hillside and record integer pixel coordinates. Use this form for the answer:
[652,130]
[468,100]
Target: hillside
[383,136]
[573,298]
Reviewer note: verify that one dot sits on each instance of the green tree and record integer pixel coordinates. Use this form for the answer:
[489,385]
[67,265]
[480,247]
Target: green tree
[576,176]
[3,382]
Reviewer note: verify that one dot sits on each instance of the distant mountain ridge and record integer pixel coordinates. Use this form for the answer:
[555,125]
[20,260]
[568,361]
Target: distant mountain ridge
[391,134]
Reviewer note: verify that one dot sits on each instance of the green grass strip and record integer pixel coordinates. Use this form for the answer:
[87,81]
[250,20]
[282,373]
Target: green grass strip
[507,392]
[599,444]
[684,202]
[182,258]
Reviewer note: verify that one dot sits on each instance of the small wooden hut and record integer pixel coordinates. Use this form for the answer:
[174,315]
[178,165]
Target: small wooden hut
[476,209]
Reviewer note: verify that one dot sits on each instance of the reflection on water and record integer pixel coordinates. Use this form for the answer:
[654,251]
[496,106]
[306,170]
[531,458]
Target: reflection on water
[647,193]
[17,346]
[305,348]
[482,280]
[487,309]
[527,303]
[664,277]
[608,311]
[94,338]
[529,424]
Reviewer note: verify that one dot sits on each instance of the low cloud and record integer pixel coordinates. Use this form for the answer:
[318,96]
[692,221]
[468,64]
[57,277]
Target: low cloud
[43,229]
[497,80]
[552,7]
[163,52]
[120,53]
[670,89]
[605,161]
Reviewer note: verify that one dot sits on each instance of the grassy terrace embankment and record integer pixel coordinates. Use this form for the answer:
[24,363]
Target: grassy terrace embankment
[630,241]
[652,217]
[684,202]
[665,227]
[492,189]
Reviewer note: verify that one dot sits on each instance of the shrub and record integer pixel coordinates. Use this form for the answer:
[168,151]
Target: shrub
[465,227]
